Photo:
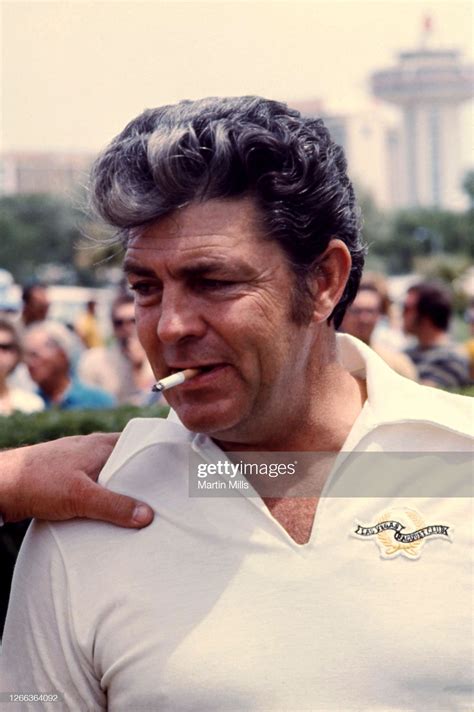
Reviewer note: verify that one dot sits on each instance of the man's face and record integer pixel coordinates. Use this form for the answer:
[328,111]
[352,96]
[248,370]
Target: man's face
[38,305]
[211,292]
[410,314]
[45,360]
[362,316]
[123,322]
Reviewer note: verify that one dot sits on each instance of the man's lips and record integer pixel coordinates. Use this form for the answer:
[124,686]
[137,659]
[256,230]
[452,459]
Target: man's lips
[207,374]
[202,367]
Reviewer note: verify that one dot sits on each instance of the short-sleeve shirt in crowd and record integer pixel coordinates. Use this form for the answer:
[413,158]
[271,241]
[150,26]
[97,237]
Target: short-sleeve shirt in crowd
[78,395]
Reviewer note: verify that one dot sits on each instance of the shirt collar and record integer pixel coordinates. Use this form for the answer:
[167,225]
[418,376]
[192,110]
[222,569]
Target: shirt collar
[391,398]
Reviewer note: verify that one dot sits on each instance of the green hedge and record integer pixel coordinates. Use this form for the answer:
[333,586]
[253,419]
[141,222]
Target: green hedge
[20,429]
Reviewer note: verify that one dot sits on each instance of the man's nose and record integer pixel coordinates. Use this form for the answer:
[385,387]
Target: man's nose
[179,317]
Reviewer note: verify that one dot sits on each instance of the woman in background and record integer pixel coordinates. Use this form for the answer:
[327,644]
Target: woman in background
[12,398]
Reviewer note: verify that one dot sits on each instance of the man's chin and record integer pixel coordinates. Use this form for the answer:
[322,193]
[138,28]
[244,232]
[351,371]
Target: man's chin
[210,422]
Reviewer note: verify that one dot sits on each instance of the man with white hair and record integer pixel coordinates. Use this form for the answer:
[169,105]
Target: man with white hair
[50,354]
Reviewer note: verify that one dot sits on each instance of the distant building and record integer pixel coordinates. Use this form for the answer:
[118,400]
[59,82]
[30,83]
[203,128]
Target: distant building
[39,172]
[428,85]
[371,143]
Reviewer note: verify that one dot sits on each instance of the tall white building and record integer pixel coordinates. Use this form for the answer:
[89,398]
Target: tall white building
[371,142]
[429,84]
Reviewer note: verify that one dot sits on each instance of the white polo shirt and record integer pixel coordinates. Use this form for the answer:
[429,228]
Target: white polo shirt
[214,608]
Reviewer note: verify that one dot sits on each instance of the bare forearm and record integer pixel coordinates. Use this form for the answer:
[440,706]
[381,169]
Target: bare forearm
[11,469]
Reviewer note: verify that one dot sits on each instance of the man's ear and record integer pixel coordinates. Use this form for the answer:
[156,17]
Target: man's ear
[330,278]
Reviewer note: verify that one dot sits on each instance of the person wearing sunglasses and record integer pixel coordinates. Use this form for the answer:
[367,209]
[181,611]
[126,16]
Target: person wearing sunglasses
[361,320]
[121,368]
[12,398]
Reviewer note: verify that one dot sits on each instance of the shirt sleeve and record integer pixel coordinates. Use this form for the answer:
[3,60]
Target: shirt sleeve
[40,653]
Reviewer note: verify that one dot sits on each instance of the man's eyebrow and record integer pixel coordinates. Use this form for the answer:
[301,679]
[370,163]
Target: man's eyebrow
[205,265]
[130,267]
[195,269]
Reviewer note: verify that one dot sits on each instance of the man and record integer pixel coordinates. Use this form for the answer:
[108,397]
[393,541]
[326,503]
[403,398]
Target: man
[121,368]
[35,310]
[35,304]
[243,251]
[50,350]
[360,321]
[426,315]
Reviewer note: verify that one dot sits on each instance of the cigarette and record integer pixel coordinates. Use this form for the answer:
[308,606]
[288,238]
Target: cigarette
[174,380]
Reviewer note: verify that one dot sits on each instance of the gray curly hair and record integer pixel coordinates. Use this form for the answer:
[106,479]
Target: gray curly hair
[168,157]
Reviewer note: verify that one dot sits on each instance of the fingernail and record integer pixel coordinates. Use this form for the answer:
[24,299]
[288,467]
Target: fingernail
[141,514]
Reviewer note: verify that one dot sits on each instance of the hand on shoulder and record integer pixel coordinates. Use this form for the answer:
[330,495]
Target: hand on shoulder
[56,481]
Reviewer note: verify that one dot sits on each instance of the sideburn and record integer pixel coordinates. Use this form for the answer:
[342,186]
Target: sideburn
[302,298]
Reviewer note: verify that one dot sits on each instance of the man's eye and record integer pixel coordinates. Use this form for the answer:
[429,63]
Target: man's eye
[143,289]
[215,284]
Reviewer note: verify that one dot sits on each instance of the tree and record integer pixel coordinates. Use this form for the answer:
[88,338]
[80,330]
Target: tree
[424,232]
[39,230]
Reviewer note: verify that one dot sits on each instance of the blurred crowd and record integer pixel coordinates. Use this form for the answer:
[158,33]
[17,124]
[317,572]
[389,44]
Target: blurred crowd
[46,364]
[416,339]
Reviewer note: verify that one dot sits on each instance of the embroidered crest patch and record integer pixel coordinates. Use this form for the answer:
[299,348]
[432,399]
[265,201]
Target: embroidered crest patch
[401,531]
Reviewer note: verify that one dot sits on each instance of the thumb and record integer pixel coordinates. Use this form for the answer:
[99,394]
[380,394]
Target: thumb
[108,506]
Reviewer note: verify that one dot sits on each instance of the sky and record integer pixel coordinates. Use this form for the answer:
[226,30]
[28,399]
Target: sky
[74,72]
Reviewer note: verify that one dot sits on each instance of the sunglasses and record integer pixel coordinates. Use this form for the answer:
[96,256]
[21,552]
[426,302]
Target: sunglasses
[8,346]
[123,322]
